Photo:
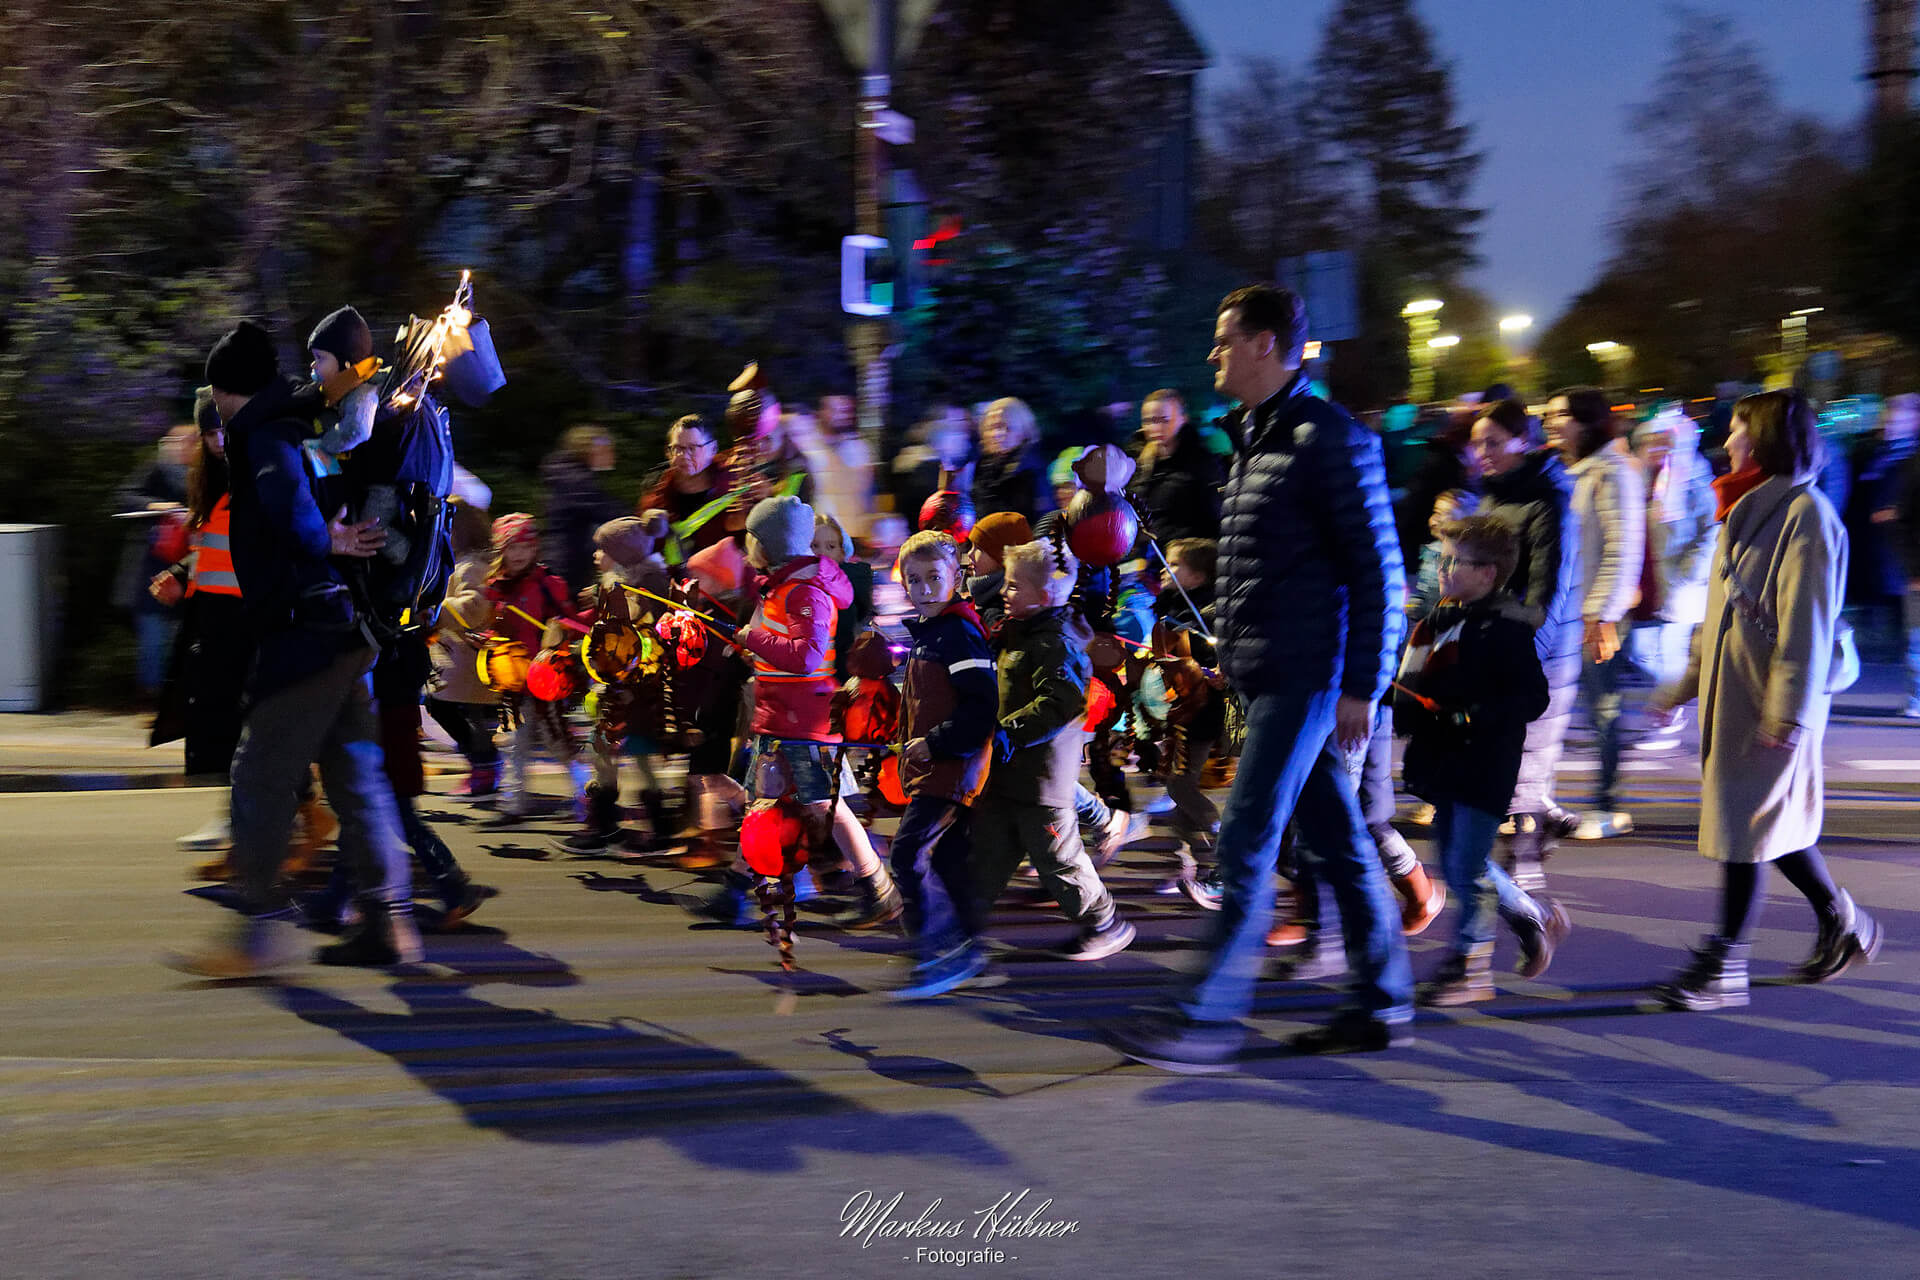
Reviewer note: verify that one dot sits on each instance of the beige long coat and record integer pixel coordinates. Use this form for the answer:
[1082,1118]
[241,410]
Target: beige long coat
[1763,663]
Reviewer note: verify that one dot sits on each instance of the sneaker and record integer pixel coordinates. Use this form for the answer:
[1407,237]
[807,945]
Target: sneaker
[1321,959]
[587,844]
[215,835]
[872,907]
[1714,977]
[1122,829]
[1204,890]
[1161,803]
[1175,1043]
[732,904]
[1461,979]
[943,974]
[1098,942]
[1558,823]
[326,911]
[1602,825]
[1354,1032]
[1851,938]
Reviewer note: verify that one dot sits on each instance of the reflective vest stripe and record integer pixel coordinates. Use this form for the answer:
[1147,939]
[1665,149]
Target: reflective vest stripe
[213,554]
[773,617]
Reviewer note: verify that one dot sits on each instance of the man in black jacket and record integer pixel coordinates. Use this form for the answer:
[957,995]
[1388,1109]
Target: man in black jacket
[310,696]
[1308,619]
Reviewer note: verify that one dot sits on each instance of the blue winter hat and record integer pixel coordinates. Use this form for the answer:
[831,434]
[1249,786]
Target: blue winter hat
[784,526]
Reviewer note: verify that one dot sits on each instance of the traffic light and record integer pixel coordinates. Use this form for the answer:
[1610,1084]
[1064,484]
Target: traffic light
[867,271]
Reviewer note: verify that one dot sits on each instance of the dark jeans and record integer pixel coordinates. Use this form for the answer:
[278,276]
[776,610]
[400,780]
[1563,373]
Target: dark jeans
[1464,836]
[328,717]
[1600,695]
[1290,768]
[471,726]
[929,859]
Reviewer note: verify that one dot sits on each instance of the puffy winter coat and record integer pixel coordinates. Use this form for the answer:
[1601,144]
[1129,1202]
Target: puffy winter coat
[1043,673]
[1310,582]
[1180,493]
[1610,501]
[950,699]
[791,640]
[1535,500]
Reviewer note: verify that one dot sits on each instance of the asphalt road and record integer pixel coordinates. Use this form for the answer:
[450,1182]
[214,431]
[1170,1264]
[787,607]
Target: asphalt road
[586,1083]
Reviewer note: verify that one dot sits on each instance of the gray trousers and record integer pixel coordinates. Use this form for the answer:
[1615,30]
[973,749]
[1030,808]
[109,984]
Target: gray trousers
[1004,832]
[328,718]
[1533,792]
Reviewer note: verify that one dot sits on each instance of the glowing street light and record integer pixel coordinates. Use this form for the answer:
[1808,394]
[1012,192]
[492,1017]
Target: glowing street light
[1603,348]
[1422,307]
[1422,323]
[1445,340]
[1515,324]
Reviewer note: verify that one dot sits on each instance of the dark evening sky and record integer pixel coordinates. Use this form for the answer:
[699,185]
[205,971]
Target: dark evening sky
[1546,85]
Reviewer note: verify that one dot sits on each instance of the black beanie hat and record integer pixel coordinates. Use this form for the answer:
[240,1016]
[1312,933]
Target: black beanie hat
[344,335]
[244,362]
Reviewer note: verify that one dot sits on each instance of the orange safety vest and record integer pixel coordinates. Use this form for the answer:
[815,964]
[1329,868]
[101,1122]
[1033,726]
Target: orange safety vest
[773,617]
[213,558]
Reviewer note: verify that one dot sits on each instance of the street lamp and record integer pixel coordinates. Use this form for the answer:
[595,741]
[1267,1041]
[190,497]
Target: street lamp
[1613,357]
[1515,324]
[1422,324]
[1445,340]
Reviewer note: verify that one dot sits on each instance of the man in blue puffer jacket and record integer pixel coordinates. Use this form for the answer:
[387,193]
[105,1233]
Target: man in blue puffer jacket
[1309,620]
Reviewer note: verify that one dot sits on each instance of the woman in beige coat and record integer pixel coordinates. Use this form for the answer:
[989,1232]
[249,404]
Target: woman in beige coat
[1761,667]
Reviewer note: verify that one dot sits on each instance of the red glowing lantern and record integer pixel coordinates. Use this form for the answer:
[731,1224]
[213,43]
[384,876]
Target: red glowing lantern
[773,838]
[890,789]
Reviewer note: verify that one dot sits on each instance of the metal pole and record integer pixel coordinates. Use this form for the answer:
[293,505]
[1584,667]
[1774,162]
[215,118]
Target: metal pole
[867,339]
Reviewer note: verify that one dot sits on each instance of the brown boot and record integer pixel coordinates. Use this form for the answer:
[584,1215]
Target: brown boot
[1422,899]
[707,850]
[314,827]
[1291,930]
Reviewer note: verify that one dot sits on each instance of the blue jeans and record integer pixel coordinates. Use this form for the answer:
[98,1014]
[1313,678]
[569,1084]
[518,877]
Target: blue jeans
[1290,767]
[930,857]
[1463,835]
[1600,695]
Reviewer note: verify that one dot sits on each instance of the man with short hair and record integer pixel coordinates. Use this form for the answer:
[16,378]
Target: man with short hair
[311,697]
[1308,616]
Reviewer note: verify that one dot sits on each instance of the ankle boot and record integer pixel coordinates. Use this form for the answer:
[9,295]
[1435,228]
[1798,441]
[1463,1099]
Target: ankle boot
[386,935]
[1422,899]
[876,902]
[1851,937]
[1539,935]
[1464,978]
[313,827]
[1715,977]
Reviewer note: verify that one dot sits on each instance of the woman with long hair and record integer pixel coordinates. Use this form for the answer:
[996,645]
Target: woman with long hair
[201,701]
[1762,667]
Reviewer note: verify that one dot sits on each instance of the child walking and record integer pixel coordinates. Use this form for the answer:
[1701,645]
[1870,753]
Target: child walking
[1027,810]
[947,726]
[1469,684]
[458,700]
[528,600]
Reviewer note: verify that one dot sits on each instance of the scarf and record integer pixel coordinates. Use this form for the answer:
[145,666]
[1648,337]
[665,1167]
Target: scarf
[1733,486]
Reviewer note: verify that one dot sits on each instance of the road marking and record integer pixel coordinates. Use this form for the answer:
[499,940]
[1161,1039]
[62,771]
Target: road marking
[1884,766]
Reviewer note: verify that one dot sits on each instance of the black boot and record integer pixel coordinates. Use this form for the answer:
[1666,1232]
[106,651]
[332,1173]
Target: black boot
[1851,937]
[385,936]
[1715,977]
[661,827]
[603,822]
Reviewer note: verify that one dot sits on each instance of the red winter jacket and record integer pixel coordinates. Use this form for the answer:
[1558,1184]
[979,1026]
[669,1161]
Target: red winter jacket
[540,593]
[791,640]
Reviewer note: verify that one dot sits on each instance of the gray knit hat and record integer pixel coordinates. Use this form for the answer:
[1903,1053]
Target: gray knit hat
[784,526]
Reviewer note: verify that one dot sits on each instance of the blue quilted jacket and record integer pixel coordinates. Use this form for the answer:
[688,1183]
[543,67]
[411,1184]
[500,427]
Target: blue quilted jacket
[1310,585]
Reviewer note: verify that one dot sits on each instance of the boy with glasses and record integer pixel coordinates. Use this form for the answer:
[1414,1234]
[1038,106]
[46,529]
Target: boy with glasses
[1468,686]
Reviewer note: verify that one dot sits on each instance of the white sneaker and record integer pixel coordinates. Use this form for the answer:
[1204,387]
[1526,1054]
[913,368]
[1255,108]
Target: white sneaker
[217,834]
[1603,826]
[1162,803]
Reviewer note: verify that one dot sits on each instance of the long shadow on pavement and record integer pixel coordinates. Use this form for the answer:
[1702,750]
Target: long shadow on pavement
[539,1076]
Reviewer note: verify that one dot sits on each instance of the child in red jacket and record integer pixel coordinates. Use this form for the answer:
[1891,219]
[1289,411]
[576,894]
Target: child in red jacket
[531,607]
[790,639]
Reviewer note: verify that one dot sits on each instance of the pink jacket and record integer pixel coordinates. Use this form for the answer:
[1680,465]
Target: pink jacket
[791,640]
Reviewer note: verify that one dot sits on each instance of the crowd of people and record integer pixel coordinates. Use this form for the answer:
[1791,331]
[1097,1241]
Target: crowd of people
[1241,601]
